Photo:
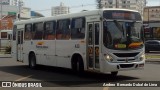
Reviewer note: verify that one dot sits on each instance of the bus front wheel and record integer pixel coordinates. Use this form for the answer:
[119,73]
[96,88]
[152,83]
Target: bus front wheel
[32,61]
[77,65]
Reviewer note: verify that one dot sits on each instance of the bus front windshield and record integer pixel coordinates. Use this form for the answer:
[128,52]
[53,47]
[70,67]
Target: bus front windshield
[122,35]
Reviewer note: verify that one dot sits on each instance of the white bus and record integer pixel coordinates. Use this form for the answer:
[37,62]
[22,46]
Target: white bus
[5,38]
[105,40]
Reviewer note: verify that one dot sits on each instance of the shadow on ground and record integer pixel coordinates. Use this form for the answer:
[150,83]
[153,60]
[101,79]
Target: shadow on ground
[53,76]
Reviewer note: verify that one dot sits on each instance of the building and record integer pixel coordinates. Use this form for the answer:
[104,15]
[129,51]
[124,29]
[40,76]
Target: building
[151,18]
[127,4]
[7,15]
[11,2]
[5,2]
[6,23]
[151,14]
[57,10]
[9,12]
[13,7]
[35,14]
[17,2]
[7,9]
[25,13]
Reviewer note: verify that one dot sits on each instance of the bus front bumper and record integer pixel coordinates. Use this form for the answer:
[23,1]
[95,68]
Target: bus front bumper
[111,67]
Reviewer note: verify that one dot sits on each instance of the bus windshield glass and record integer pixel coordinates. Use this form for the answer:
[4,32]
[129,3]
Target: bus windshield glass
[122,34]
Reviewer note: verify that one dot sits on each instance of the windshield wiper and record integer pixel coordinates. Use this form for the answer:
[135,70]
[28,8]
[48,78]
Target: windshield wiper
[118,26]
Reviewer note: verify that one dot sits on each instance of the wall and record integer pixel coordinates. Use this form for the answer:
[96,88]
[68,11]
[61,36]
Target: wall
[151,14]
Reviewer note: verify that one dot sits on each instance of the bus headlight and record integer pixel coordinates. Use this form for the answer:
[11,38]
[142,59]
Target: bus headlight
[142,57]
[108,57]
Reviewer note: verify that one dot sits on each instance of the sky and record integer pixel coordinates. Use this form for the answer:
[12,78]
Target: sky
[44,6]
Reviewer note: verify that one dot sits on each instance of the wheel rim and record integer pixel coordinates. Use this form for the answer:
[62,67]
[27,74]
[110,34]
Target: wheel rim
[77,66]
[32,63]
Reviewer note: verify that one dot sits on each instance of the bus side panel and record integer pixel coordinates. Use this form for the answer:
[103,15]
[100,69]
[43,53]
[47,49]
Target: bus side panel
[63,53]
[81,50]
[5,36]
[5,43]
[65,49]
[27,47]
[14,50]
[46,52]
[50,53]
[38,52]
[30,46]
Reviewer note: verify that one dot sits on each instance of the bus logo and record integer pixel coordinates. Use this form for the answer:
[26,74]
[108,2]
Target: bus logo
[40,43]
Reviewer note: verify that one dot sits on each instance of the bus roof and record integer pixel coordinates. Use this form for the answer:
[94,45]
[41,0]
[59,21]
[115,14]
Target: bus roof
[79,14]
[6,30]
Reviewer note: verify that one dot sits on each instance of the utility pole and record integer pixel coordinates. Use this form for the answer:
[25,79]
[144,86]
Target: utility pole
[19,14]
[19,6]
[116,4]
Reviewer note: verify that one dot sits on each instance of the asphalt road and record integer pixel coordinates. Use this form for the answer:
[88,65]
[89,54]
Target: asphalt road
[64,79]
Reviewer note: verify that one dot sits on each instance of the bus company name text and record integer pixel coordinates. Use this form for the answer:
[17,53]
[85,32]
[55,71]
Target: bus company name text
[39,46]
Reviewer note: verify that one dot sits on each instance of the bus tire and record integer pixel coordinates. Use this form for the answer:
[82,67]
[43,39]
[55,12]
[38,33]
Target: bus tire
[114,73]
[77,65]
[32,61]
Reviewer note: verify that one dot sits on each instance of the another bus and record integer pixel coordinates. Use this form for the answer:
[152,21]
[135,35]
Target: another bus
[105,40]
[5,38]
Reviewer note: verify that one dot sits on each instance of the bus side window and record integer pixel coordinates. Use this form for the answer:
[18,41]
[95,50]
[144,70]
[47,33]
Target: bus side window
[49,30]
[28,33]
[4,35]
[78,28]
[63,29]
[37,31]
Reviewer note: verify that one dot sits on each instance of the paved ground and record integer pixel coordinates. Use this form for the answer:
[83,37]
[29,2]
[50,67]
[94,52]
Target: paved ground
[11,70]
[5,55]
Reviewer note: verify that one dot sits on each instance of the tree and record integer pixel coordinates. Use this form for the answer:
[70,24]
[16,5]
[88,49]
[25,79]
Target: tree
[99,4]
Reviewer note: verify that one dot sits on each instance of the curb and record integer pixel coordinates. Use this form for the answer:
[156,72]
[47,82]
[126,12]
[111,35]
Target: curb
[153,60]
[5,55]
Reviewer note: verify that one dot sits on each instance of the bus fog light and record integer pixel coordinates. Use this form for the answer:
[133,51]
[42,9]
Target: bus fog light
[108,58]
[142,57]
[141,65]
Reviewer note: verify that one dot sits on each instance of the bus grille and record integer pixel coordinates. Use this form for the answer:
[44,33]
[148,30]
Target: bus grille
[126,65]
[125,60]
[126,54]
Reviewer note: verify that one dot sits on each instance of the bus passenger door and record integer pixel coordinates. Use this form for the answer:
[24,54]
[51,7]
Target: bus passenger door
[20,46]
[93,45]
